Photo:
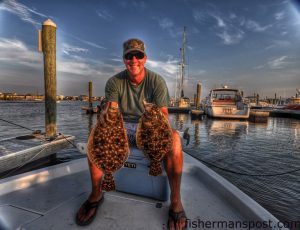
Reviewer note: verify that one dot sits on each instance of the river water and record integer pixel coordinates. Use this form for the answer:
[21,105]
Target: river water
[251,156]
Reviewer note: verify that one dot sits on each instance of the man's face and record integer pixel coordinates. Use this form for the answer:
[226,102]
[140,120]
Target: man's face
[134,62]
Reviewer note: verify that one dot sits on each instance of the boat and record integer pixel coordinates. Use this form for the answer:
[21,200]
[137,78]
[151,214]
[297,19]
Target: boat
[18,151]
[226,103]
[49,198]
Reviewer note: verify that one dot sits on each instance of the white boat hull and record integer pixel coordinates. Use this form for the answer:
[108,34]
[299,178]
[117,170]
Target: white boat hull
[49,199]
[228,111]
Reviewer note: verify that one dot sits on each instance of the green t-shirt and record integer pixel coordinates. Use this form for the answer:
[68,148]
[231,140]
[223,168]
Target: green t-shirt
[130,97]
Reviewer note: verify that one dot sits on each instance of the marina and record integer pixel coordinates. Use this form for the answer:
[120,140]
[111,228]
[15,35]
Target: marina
[241,153]
[241,146]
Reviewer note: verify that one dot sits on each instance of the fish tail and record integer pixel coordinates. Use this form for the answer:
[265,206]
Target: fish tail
[155,168]
[108,184]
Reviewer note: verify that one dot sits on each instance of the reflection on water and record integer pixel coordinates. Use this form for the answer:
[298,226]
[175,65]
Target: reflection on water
[251,148]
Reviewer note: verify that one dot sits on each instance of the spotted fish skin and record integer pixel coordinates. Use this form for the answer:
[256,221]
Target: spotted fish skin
[154,136]
[108,145]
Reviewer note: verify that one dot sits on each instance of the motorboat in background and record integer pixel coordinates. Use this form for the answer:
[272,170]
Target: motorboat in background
[226,103]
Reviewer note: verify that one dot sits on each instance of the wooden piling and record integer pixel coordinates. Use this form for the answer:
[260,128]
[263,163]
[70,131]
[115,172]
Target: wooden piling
[49,51]
[198,97]
[90,94]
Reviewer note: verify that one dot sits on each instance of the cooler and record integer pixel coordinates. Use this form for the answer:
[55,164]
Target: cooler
[133,178]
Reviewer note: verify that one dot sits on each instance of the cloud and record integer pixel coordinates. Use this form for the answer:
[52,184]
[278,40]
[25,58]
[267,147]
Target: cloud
[23,12]
[104,14]
[168,69]
[84,41]
[279,15]
[15,52]
[225,28]
[200,16]
[254,26]
[279,63]
[165,23]
[68,49]
[231,38]
[279,44]
[168,25]
[220,21]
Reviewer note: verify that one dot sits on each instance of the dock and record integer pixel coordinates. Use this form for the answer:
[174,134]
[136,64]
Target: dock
[287,113]
[89,110]
[258,115]
[179,109]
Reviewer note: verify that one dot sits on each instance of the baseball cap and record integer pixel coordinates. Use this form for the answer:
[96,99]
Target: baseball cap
[133,44]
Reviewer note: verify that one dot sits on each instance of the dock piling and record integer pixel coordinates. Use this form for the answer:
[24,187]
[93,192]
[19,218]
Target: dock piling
[90,108]
[198,97]
[49,51]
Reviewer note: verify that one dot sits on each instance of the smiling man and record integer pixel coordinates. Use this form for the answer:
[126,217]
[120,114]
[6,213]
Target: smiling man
[127,90]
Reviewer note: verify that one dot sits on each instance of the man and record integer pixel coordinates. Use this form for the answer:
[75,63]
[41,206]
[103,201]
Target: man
[127,90]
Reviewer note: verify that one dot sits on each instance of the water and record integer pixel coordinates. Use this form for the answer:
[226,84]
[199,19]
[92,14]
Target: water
[242,147]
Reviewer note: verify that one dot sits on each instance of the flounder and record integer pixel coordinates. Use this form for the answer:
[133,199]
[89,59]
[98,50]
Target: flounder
[108,145]
[154,136]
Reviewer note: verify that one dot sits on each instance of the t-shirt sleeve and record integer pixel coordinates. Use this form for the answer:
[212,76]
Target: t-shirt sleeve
[161,94]
[111,91]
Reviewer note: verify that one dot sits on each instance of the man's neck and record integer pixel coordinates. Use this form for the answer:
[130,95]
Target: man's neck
[136,80]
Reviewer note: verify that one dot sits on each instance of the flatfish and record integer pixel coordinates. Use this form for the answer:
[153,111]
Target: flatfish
[108,145]
[154,136]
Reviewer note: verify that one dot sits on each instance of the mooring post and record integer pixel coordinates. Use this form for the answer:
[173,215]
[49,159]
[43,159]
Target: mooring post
[49,51]
[199,86]
[90,95]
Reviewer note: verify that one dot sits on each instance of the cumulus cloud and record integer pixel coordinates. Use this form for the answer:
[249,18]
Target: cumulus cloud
[22,11]
[168,69]
[16,52]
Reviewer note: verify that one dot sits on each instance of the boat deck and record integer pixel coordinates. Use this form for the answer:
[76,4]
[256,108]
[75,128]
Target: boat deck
[49,198]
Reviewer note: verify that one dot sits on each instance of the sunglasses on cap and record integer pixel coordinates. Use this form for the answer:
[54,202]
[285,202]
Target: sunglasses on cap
[137,55]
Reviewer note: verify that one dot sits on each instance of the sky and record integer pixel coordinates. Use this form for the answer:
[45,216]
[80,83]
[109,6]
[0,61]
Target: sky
[250,45]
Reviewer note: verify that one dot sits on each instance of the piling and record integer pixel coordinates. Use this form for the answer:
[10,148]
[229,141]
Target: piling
[49,51]
[198,97]
[90,108]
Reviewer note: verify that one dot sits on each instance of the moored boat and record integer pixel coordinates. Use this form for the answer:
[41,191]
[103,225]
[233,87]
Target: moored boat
[226,103]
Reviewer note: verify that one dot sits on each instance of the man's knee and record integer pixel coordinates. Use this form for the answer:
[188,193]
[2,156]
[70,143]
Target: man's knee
[177,149]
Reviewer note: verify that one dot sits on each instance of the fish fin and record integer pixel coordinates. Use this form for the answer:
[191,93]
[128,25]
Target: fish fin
[155,168]
[108,183]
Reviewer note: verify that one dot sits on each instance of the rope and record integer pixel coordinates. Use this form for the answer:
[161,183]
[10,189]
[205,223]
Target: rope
[12,123]
[247,174]
[21,165]
[16,124]
[50,140]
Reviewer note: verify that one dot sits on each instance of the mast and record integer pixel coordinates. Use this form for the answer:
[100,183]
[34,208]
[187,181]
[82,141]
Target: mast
[182,64]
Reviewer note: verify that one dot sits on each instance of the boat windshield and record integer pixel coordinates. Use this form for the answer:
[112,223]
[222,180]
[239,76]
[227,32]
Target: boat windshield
[224,95]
